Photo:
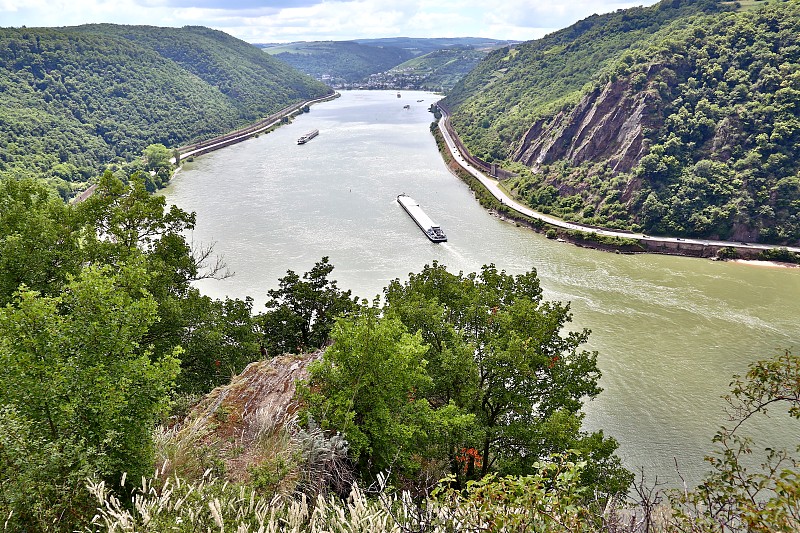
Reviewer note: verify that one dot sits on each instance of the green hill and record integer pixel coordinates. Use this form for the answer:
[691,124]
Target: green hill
[339,61]
[439,70]
[352,62]
[678,118]
[421,46]
[75,99]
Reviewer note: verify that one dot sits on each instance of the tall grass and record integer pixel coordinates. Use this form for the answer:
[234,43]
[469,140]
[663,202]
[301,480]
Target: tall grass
[531,504]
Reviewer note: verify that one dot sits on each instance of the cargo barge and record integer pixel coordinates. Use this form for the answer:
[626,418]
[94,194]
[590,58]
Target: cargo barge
[428,226]
[308,136]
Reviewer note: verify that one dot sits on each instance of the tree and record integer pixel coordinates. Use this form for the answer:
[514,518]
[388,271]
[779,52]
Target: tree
[218,339]
[156,157]
[39,238]
[125,222]
[302,311]
[736,496]
[368,386]
[497,350]
[75,377]
[127,219]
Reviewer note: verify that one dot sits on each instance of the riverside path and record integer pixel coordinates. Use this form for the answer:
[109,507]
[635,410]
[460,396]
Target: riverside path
[493,187]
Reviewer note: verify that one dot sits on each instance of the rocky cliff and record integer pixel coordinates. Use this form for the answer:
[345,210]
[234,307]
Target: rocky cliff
[607,125]
[683,124]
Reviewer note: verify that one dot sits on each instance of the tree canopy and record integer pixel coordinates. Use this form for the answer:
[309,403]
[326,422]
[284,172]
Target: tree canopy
[491,383]
[97,319]
[301,311]
[75,100]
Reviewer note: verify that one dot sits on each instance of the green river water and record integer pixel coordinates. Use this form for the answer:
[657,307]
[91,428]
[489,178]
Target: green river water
[670,331]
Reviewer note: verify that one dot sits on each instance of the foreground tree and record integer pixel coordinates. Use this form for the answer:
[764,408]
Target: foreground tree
[301,311]
[39,238]
[75,380]
[499,351]
[364,387]
[218,337]
[497,385]
[124,221]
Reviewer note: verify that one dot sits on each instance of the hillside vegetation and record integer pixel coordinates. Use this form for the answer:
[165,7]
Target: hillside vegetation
[339,61]
[439,70]
[421,46]
[73,100]
[352,62]
[474,379]
[670,119]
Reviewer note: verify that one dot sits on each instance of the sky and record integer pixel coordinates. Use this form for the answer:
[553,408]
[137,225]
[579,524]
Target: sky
[276,21]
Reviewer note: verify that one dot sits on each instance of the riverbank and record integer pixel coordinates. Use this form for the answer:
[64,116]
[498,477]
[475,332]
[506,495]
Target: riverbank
[264,125]
[597,238]
[766,264]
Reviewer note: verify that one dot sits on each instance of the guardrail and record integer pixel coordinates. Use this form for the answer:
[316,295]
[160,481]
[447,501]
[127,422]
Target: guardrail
[491,169]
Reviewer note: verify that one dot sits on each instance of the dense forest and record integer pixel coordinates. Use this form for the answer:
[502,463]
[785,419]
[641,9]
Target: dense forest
[74,100]
[679,118]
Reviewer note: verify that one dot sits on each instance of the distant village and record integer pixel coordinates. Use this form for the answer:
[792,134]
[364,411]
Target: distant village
[392,80]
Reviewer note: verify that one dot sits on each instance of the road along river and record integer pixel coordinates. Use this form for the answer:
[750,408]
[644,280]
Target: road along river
[670,331]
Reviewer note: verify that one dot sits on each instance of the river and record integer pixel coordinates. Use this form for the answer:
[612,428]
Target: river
[670,331]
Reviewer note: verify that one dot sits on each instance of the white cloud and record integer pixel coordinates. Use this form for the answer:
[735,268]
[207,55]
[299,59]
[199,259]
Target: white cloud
[291,20]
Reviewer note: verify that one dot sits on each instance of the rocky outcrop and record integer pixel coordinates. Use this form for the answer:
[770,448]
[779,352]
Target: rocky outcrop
[607,125]
[232,422]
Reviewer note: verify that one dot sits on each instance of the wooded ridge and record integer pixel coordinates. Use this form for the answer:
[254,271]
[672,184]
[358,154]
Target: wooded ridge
[679,118]
[74,100]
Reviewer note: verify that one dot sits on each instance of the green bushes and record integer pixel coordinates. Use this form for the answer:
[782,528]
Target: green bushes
[552,497]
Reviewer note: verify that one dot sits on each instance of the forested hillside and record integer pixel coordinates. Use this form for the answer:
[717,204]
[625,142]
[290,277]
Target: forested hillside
[678,118]
[352,62]
[439,70]
[75,99]
[339,61]
[421,46]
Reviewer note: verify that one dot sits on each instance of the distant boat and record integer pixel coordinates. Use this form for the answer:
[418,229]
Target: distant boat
[428,226]
[406,106]
[420,100]
[308,136]
[398,95]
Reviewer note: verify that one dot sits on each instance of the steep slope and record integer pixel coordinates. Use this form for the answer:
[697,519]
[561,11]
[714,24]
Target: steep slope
[238,425]
[495,104]
[255,83]
[692,130]
[75,99]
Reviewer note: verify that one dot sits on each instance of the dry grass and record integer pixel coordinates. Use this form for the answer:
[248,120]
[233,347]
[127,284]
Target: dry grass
[239,428]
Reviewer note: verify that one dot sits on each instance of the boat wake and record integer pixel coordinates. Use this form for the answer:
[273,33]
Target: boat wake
[452,251]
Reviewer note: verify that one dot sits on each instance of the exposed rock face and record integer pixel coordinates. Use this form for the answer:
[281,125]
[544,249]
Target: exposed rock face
[607,124]
[262,385]
[233,418]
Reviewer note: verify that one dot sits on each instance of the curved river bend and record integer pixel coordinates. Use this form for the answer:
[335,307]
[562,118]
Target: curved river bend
[670,331]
